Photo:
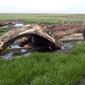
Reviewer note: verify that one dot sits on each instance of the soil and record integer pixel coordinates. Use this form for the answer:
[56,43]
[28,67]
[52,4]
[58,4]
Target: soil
[9,22]
[64,28]
[17,51]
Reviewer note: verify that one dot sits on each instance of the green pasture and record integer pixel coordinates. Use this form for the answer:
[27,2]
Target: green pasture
[44,18]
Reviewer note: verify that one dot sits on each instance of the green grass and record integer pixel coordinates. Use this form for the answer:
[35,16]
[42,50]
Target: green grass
[42,21]
[2,30]
[44,68]
[1,34]
[50,18]
[6,28]
[5,51]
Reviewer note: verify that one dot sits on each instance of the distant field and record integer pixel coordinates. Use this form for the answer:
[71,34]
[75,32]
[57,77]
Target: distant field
[44,18]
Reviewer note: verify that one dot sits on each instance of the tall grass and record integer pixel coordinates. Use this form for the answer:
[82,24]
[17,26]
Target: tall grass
[44,68]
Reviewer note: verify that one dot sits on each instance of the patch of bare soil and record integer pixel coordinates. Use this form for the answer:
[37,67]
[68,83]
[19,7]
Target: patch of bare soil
[64,28]
[9,22]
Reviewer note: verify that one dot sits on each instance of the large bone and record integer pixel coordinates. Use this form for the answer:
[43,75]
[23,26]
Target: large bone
[30,29]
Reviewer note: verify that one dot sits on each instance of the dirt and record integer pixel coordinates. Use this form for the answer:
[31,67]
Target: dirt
[64,28]
[67,46]
[9,22]
[16,51]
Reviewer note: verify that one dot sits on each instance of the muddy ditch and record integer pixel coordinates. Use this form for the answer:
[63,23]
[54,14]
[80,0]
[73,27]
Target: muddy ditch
[10,22]
[60,30]
[16,51]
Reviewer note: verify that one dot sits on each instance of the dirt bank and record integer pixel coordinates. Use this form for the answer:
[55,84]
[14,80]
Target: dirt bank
[64,28]
[9,22]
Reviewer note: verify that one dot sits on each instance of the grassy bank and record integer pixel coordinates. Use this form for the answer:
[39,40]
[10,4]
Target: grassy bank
[1,34]
[45,68]
[3,30]
[39,18]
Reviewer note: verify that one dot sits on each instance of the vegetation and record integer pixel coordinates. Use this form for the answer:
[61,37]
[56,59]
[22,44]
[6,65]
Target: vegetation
[1,34]
[44,18]
[4,29]
[5,51]
[44,68]
[1,30]
[42,21]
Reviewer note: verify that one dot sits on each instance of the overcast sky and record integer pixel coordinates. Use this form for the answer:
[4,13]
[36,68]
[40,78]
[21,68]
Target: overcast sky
[42,6]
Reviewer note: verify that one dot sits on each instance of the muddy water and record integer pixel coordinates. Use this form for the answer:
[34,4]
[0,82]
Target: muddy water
[66,46]
[82,81]
[4,26]
[16,51]
[18,25]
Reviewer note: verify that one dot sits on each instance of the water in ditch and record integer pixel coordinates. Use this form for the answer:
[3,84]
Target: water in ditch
[16,51]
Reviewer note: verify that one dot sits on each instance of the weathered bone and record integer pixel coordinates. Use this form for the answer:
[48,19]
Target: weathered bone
[28,30]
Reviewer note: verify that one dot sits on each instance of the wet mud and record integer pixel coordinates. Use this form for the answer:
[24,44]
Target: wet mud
[67,46]
[10,22]
[64,28]
[16,51]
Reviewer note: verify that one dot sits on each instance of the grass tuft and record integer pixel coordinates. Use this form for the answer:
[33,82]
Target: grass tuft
[5,51]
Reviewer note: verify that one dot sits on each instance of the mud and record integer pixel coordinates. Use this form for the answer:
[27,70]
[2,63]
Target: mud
[18,25]
[81,82]
[16,51]
[9,22]
[67,46]
[64,28]
[4,26]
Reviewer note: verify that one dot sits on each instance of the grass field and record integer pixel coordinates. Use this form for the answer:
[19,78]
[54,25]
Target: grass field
[44,18]
[44,68]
